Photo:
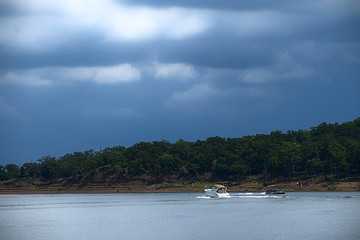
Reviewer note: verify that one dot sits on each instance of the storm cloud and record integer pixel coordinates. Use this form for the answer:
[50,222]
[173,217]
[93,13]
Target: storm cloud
[77,75]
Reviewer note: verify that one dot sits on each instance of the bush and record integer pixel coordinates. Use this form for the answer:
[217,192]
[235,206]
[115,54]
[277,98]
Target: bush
[331,187]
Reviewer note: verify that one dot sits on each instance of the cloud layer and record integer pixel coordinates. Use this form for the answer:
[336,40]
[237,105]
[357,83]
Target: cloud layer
[78,74]
[66,75]
[45,25]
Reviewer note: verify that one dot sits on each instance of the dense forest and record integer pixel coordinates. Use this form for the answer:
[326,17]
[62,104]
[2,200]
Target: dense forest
[328,150]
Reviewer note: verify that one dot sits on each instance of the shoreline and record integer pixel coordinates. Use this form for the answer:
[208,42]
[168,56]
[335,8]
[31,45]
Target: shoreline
[135,187]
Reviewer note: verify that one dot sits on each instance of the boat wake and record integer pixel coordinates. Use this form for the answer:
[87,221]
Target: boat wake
[255,196]
[203,197]
[244,195]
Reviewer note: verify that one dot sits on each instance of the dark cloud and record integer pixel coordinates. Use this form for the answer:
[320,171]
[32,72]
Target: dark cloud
[232,5]
[120,72]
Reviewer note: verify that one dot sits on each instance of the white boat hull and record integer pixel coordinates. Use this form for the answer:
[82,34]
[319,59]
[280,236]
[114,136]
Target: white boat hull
[213,194]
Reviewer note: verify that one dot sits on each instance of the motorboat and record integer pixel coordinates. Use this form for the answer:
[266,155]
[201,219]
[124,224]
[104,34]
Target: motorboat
[218,191]
[274,189]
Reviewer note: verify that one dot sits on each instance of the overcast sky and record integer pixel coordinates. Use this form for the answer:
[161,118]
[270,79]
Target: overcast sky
[79,74]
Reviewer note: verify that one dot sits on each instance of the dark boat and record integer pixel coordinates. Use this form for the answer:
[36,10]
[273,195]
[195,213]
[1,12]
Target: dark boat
[274,189]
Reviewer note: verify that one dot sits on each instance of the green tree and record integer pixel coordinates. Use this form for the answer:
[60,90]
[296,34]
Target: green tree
[338,156]
[136,167]
[169,164]
[221,166]
[48,167]
[11,171]
[238,168]
[290,156]
[315,166]
[30,170]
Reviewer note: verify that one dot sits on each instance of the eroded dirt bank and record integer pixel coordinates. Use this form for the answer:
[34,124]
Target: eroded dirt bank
[83,185]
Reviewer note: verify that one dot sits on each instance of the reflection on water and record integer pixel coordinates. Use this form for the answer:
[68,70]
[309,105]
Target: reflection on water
[330,215]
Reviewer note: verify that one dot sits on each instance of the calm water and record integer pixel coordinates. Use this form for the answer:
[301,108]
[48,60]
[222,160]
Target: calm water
[294,216]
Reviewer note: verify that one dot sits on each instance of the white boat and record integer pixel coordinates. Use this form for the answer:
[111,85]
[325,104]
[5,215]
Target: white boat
[218,191]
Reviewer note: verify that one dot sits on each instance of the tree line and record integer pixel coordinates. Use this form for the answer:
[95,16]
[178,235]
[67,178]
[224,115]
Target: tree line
[328,149]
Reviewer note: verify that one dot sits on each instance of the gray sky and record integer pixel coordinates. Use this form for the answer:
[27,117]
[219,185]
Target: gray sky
[77,75]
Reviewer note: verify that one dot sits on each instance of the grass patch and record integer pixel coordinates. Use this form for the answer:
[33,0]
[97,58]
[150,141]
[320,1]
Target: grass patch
[350,179]
[317,179]
[169,185]
[257,186]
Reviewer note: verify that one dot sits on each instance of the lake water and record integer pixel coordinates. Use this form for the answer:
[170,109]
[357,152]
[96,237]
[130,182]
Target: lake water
[295,216]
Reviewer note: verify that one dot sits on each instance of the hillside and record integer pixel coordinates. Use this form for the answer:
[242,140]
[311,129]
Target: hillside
[320,157]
